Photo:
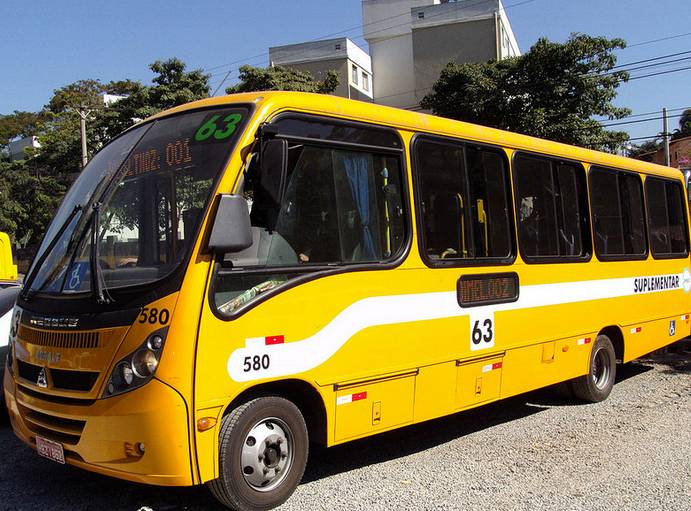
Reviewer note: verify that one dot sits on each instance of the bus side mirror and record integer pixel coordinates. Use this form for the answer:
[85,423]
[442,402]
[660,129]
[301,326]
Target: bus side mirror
[232,230]
[272,167]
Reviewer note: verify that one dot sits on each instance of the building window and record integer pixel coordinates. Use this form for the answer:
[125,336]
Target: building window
[338,46]
[353,74]
[421,15]
[365,81]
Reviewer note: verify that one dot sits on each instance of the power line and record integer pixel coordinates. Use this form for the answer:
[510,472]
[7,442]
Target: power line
[651,41]
[652,59]
[619,81]
[648,113]
[610,140]
[458,6]
[645,66]
[658,40]
[638,120]
[659,73]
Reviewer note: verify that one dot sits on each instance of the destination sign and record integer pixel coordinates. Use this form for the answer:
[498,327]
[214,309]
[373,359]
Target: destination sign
[474,290]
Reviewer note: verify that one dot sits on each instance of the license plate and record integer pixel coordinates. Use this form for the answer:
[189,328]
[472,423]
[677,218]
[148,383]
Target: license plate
[51,450]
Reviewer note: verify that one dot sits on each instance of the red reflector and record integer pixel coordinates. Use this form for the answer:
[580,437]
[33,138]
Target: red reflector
[496,365]
[274,339]
[587,340]
[359,396]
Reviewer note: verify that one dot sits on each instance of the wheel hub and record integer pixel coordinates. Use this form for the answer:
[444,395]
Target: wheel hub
[601,369]
[267,454]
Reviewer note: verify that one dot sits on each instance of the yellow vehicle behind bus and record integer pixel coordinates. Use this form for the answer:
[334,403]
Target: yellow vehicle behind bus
[240,276]
[8,270]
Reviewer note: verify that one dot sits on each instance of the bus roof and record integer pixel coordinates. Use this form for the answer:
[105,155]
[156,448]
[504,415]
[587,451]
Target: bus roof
[272,101]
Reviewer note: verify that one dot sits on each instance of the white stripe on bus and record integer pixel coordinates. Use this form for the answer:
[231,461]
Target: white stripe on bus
[305,354]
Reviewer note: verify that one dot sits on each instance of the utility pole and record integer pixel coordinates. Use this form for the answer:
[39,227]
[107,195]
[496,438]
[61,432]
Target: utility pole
[665,137]
[83,114]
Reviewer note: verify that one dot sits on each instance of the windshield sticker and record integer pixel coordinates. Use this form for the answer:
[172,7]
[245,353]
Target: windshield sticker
[77,276]
[210,130]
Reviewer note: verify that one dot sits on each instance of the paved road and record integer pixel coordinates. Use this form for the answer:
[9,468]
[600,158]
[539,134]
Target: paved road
[532,452]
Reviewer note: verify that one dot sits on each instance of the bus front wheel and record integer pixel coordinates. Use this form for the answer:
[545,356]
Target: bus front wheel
[597,384]
[263,447]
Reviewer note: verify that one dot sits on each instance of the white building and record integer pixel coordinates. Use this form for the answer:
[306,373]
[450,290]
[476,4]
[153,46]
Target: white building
[352,63]
[411,41]
[109,99]
[18,147]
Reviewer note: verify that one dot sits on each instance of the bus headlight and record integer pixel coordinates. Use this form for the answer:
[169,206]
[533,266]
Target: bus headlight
[138,367]
[144,363]
[126,373]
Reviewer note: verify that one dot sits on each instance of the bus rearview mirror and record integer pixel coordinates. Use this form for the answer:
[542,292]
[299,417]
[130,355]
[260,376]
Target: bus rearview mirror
[232,230]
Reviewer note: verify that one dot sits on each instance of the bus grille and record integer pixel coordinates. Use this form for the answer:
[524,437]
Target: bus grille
[59,339]
[67,431]
[82,381]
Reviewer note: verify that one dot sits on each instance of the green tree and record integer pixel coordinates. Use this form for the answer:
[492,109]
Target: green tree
[552,91]
[60,149]
[684,129]
[18,124]
[85,93]
[647,147]
[172,86]
[31,190]
[282,78]
[27,201]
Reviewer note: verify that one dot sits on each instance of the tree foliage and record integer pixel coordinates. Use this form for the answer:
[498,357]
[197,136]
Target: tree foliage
[684,129]
[27,201]
[552,91]
[282,78]
[172,86]
[30,190]
[649,146]
[19,124]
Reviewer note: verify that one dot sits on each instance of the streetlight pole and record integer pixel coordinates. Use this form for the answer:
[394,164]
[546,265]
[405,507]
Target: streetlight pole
[665,137]
[83,113]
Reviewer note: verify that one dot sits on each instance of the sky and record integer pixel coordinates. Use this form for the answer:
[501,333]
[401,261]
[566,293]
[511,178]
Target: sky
[47,44]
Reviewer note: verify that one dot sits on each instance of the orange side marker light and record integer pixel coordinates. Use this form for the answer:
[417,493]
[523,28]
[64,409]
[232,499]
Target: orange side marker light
[206,423]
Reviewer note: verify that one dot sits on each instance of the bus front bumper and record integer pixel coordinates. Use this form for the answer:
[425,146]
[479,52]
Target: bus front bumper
[139,436]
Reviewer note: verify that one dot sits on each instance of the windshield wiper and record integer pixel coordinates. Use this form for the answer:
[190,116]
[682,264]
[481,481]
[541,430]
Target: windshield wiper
[97,281]
[26,291]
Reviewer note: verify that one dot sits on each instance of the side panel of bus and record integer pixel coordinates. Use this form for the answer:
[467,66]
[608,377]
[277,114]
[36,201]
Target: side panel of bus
[382,348]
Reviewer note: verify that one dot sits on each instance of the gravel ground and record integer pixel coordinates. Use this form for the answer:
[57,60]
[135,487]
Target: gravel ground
[533,452]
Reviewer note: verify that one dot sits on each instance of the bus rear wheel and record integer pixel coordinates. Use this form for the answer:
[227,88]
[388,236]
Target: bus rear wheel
[597,384]
[263,447]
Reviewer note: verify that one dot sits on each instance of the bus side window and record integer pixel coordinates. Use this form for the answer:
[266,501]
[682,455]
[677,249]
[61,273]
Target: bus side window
[340,207]
[463,195]
[666,220]
[616,200]
[550,202]
[489,200]
[442,181]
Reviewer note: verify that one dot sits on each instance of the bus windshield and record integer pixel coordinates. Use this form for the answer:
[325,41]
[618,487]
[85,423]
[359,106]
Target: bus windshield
[140,200]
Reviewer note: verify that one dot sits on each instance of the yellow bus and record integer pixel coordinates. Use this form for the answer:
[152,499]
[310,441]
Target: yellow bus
[236,278]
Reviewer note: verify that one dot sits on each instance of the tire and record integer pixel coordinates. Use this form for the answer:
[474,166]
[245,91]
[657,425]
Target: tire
[597,384]
[263,448]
